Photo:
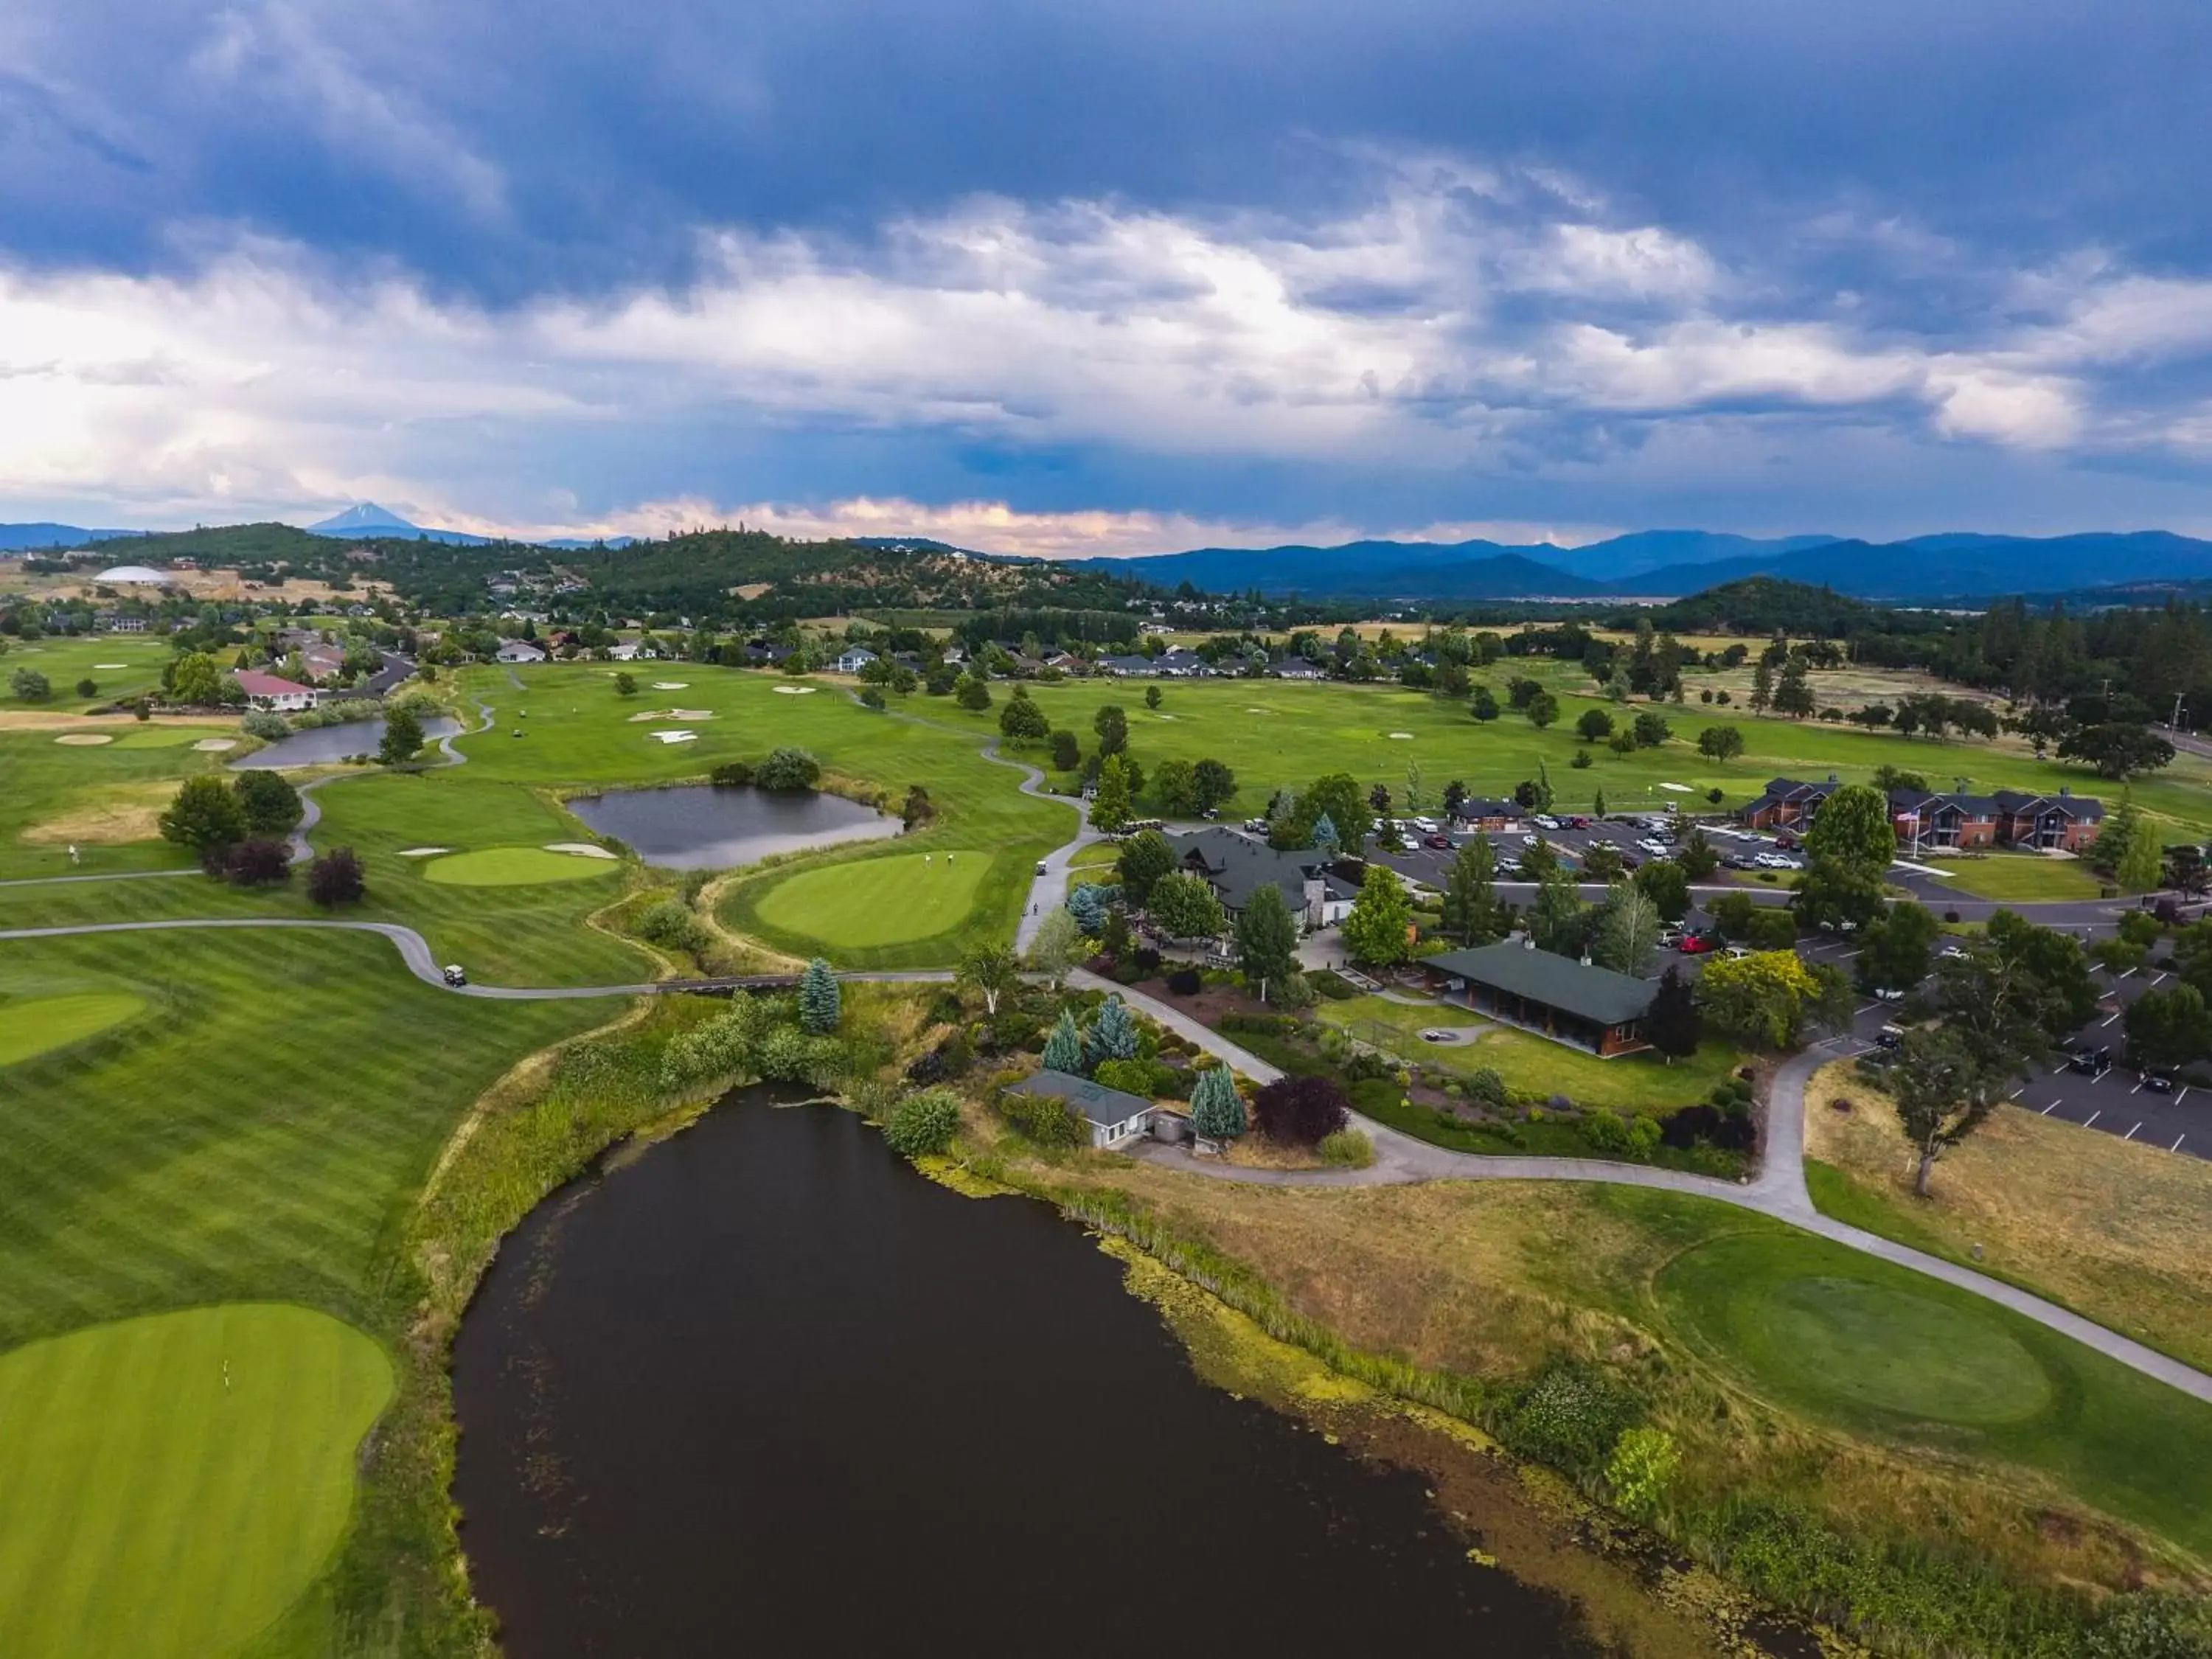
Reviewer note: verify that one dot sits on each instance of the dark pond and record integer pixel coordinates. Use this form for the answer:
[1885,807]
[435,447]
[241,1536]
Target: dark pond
[697,827]
[335,743]
[767,1390]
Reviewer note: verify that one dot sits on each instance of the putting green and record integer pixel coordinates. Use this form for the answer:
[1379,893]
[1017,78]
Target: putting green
[513,866]
[1812,1332]
[169,1486]
[164,737]
[872,902]
[32,1025]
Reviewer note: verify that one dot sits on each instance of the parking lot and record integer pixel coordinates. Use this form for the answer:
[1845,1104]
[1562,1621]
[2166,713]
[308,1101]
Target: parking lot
[1430,865]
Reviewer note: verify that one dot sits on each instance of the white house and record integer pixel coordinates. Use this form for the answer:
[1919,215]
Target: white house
[271,691]
[515,651]
[853,657]
[1115,1118]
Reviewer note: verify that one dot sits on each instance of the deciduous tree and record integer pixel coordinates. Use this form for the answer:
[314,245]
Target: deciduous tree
[1944,1094]
[1109,807]
[1183,906]
[1761,999]
[990,971]
[1112,726]
[272,807]
[1266,939]
[402,736]
[1471,913]
[336,877]
[1300,1111]
[1381,915]
[1721,744]
[205,815]
[2169,1028]
[1144,858]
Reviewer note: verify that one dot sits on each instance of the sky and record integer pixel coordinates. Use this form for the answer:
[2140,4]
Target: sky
[1110,279]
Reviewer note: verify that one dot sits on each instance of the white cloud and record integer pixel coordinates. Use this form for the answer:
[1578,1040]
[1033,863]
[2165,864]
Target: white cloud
[1461,323]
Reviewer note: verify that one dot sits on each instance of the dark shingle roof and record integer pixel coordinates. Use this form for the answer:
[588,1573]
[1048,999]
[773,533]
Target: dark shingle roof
[1101,1104]
[1557,981]
[1239,865]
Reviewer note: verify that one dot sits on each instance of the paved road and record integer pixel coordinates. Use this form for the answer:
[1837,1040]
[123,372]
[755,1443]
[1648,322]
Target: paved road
[1778,1190]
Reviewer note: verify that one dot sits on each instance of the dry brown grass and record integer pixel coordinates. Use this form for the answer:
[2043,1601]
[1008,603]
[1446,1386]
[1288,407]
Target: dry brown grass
[110,816]
[1492,1280]
[2115,1229]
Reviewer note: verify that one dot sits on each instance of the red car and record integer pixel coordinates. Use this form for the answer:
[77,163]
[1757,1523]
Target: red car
[1578,822]
[1441,843]
[1696,944]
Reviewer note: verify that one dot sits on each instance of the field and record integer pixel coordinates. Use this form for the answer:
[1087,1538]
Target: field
[1494,1280]
[1534,1064]
[1279,734]
[904,899]
[512,866]
[2113,1229]
[2020,877]
[169,1486]
[32,1025]
[64,661]
[257,1137]
[105,799]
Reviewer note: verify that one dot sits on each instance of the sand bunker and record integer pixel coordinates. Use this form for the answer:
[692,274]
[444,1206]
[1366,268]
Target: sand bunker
[214,745]
[674,737]
[671,685]
[111,664]
[1679,788]
[799,690]
[84,739]
[582,849]
[1259,711]
[422,852]
[1403,736]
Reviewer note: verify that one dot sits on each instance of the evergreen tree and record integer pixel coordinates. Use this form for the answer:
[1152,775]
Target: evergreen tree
[1113,1034]
[1323,838]
[1673,1026]
[1762,686]
[1217,1113]
[1109,808]
[820,1002]
[1063,1049]
[1266,939]
[1471,895]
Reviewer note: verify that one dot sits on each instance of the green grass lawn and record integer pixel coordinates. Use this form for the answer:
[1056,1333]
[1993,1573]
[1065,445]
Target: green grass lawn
[513,866]
[32,1025]
[54,793]
[1534,1065]
[1880,1350]
[170,1485]
[2020,877]
[903,899]
[1274,733]
[64,661]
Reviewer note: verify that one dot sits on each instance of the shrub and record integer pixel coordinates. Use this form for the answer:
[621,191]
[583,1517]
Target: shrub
[267,725]
[1185,982]
[923,1123]
[729,774]
[788,769]
[258,862]
[1042,1120]
[1331,985]
[1148,962]
[1300,1111]
[1643,1464]
[1635,1138]
[1571,1417]
[671,925]
[1347,1149]
[88,688]
[789,1055]
[1376,1095]
[1131,1077]
[336,877]
[1486,1085]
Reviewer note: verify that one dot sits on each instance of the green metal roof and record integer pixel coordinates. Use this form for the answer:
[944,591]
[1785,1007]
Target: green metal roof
[1594,993]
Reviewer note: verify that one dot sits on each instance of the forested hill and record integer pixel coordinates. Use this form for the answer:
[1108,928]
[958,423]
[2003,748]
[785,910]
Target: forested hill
[699,573]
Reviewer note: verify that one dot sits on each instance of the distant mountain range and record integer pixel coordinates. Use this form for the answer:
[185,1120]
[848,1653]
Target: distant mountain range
[368,520]
[1670,563]
[18,537]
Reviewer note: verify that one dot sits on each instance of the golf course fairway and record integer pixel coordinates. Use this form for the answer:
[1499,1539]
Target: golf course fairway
[513,866]
[34,1026]
[876,902]
[169,1486]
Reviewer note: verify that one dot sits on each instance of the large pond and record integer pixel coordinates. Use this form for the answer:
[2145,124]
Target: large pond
[768,1390]
[698,827]
[323,743]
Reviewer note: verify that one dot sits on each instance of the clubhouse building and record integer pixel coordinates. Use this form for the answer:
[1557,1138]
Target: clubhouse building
[1236,865]
[1572,1002]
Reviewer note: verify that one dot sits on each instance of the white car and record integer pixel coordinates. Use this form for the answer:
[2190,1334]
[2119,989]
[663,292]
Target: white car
[1545,821]
[1426,826]
[1532,840]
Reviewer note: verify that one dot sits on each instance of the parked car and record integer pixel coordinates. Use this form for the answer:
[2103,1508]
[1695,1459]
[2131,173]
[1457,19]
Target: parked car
[1441,843]
[1889,993]
[1786,842]
[1578,822]
[1738,952]
[1531,840]
[1545,821]
[1951,952]
[454,975]
[2091,1062]
[1889,1036]
[2158,1082]
[1509,866]
[1697,944]
[1738,861]
[1670,934]
[1426,826]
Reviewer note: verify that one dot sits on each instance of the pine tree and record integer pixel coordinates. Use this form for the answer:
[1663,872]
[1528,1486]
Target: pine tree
[1216,1111]
[820,1002]
[1063,1049]
[1113,1033]
[1324,838]
[1470,909]
[1673,1025]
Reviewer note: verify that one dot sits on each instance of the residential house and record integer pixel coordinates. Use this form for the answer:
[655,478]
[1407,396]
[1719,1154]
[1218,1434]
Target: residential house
[1236,866]
[634,651]
[1127,667]
[1116,1119]
[1575,1003]
[114,624]
[520,651]
[853,657]
[271,691]
[1299,668]
[760,653]
[1786,803]
[324,662]
[1183,665]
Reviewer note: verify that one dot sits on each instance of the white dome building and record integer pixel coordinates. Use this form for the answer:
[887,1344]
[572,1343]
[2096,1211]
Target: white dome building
[135,575]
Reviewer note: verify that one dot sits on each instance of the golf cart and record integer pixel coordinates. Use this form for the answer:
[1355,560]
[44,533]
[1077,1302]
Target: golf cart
[454,976]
